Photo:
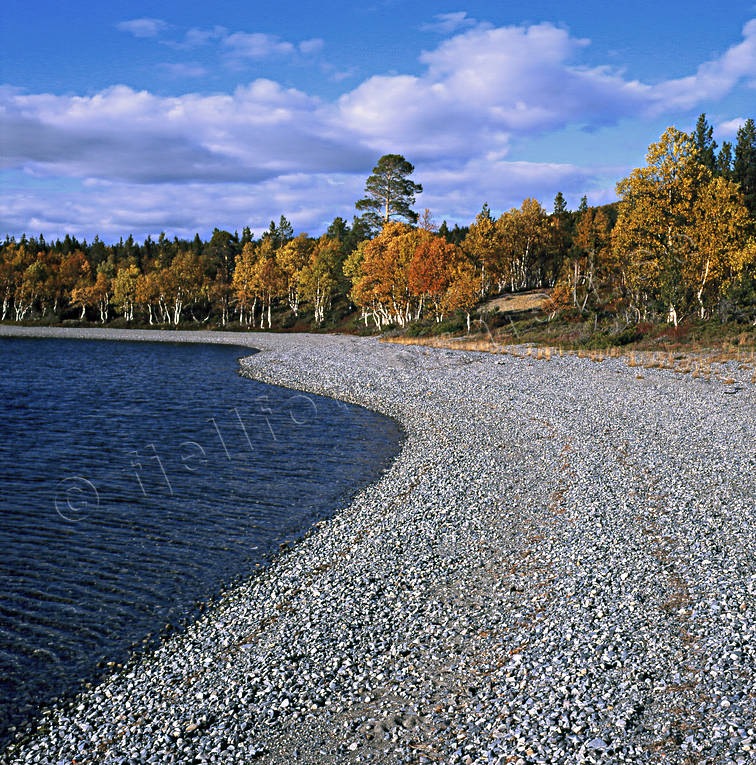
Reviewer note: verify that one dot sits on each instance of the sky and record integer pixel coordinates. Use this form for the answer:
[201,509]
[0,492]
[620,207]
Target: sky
[145,117]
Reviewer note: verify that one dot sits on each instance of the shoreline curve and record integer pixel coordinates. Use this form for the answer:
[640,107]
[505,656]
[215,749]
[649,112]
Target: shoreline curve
[557,567]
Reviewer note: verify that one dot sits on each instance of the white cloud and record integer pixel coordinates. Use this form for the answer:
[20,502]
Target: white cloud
[310,201]
[256,45]
[196,38]
[713,79]
[311,46]
[257,132]
[458,192]
[199,160]
[729,128]
[237,45]
[448,23]
[144,27]
[485,85]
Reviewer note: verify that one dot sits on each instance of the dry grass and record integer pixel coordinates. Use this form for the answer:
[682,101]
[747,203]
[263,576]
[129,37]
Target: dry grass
[535,300]
[706,364]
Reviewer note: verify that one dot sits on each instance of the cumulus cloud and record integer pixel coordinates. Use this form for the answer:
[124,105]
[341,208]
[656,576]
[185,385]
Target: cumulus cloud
[713,78]
[250,45]
[116,209]
[478,93]
[257,132]
[729,128]
[485,85]
[144,27]
[309,200]
[459,191]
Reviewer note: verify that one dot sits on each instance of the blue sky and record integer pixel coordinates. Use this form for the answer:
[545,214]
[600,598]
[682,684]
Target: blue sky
[135,117]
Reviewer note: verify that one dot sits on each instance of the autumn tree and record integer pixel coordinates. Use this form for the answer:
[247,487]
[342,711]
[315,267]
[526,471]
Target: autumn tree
[483,248]
[464,288]
[93,295]
[678,229]
[429,271]
[589,259]
[80,295]
[147,294]
[319,278]
[244,284]
[179,285]
[32,286]
[100,293]
[292,257]
[389,192]
[74,271]
[718,235]
[381,282]
[268,279]
[524,239]
[125,291]
[8,277]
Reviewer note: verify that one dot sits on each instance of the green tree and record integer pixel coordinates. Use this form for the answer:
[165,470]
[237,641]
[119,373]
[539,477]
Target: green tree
[560,206]
[338,230]
[706,146]
[389,193]
[744,171]
[279,234]
[284,231]
[724,161]
[221,255]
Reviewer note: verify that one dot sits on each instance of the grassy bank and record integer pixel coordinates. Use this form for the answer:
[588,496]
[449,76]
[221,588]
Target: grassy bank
[521,325]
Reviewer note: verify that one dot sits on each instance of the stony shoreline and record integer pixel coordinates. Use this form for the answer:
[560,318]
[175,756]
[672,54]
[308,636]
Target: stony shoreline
[559,567]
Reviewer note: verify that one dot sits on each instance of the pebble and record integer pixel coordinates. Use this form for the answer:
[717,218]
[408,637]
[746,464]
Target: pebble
[557,568]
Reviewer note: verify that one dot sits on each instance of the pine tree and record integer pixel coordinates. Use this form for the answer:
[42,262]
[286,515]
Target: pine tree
[703,139]
[284,231]
[560,206]
[744,171]
[389,193]
[724,161]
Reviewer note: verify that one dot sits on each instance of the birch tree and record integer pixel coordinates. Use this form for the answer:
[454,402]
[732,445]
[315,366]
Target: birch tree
[320,277]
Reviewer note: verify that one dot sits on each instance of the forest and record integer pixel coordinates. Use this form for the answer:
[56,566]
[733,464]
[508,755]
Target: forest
[679,245]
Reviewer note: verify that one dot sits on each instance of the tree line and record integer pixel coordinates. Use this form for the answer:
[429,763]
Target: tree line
[681,241]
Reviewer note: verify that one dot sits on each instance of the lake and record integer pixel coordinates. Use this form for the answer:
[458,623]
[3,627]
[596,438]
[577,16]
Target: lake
[137,482]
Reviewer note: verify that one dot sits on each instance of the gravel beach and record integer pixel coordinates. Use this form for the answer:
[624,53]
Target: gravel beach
[559,567]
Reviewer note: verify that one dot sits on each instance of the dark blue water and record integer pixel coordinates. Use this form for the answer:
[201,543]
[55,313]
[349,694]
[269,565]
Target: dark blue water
[138,480]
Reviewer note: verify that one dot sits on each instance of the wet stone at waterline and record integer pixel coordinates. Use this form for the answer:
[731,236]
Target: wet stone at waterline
[137,481]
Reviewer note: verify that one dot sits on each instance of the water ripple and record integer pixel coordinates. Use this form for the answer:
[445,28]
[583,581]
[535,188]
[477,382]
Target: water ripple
[139,479]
